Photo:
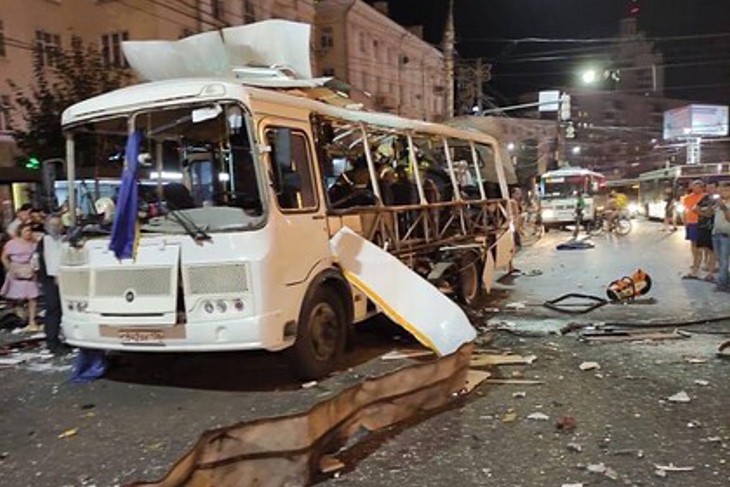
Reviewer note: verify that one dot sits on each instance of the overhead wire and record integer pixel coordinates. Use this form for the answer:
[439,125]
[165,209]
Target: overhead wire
[595,40]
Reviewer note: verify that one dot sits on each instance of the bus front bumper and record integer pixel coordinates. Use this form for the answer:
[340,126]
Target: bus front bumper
[260,332]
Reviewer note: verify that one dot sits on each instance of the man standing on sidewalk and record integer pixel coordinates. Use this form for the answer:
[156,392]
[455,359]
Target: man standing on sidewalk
[49,250]
[691,218]
[721,237]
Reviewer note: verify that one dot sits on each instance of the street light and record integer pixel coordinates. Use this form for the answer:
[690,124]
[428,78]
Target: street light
[576,150]
[511,146]
[589,76]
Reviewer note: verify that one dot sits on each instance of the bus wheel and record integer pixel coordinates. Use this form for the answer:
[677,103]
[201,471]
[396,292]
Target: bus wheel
[321,335]
[469,283]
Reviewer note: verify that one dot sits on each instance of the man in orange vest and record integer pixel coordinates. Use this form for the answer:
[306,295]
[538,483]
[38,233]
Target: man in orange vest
[691,218]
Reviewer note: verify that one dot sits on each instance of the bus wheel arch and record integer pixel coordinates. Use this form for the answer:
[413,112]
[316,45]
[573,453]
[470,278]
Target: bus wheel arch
[325,317]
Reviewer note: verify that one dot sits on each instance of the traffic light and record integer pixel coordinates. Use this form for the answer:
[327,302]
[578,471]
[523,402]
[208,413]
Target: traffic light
[33,163]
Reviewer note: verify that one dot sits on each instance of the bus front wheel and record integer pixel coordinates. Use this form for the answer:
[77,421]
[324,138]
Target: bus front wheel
[321,335]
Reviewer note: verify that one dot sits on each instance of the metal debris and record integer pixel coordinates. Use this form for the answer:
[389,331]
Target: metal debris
[576,447]
[68,433]
[589,366]
[681,396]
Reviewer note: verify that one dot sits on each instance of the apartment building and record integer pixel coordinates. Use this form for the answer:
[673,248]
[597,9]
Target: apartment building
[390,68]
[40,27]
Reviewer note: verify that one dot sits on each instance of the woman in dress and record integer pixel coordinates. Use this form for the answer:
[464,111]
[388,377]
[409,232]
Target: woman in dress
[20,266]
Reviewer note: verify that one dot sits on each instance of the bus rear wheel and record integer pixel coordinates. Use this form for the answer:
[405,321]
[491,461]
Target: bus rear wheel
[321,335]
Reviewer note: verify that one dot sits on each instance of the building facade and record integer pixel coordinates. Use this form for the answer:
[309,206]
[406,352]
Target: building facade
[390,68]
[637,67]
[30,28]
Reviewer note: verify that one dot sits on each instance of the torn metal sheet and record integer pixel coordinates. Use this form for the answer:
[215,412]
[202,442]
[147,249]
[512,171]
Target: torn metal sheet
[505,250]
[629,336]
[276,44]
[434,319]
[286,450]
[488,360]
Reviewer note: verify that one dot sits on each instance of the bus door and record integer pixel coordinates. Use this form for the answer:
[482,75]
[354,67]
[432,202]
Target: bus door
[300,241]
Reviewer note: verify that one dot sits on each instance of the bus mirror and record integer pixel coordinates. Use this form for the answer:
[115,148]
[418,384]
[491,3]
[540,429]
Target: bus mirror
[206,113]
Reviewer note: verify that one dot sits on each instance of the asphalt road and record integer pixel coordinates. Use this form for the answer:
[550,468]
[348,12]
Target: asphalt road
[133,424]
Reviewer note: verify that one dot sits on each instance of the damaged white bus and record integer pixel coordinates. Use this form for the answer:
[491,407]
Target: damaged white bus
[246,186]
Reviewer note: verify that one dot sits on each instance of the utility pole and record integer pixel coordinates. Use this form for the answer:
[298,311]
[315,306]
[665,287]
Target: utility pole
[471,76]
[449,39]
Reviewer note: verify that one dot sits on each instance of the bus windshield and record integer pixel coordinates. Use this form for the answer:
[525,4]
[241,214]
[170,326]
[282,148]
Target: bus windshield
[564,187]
[196,165]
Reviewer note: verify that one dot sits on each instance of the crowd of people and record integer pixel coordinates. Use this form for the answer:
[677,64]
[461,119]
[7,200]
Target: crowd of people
[31,250]
[706,217]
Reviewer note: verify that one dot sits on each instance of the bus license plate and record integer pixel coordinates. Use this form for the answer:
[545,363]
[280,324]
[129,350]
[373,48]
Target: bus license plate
[141,336]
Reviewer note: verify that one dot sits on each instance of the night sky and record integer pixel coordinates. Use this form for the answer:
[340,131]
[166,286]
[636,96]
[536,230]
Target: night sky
[703,73]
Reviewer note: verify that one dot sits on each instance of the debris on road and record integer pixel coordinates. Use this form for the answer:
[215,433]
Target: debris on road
[681,396]
[576,447]
[538,417]
[601,468]
[661,470]
[519,394]
[585,366]
[532,273]
[523,382]
[295,441]
[702,382]
[566,423]
[406,354]
[11,361]
[695,360]
[624,335]
[509,417]
[484,360]
[68,433]
[516,306]
[309,385]
[473,379]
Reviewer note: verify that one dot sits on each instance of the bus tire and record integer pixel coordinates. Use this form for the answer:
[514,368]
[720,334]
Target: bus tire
[321,334]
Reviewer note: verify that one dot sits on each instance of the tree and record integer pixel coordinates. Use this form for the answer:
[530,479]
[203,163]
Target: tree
[74,75]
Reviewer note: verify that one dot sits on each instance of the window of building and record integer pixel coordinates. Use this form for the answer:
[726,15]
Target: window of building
[292,169]
[363,43]
[2,39]
[111,49]
[328,72]
[4,113]
[326,38]
[48,47]
[249,12]
[217,9]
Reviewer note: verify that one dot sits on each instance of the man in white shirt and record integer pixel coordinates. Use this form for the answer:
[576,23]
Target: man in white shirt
[721,236]
[49,250]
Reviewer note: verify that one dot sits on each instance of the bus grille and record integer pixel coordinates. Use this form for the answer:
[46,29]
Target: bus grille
[217,279]
[74,283]
[144,282]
